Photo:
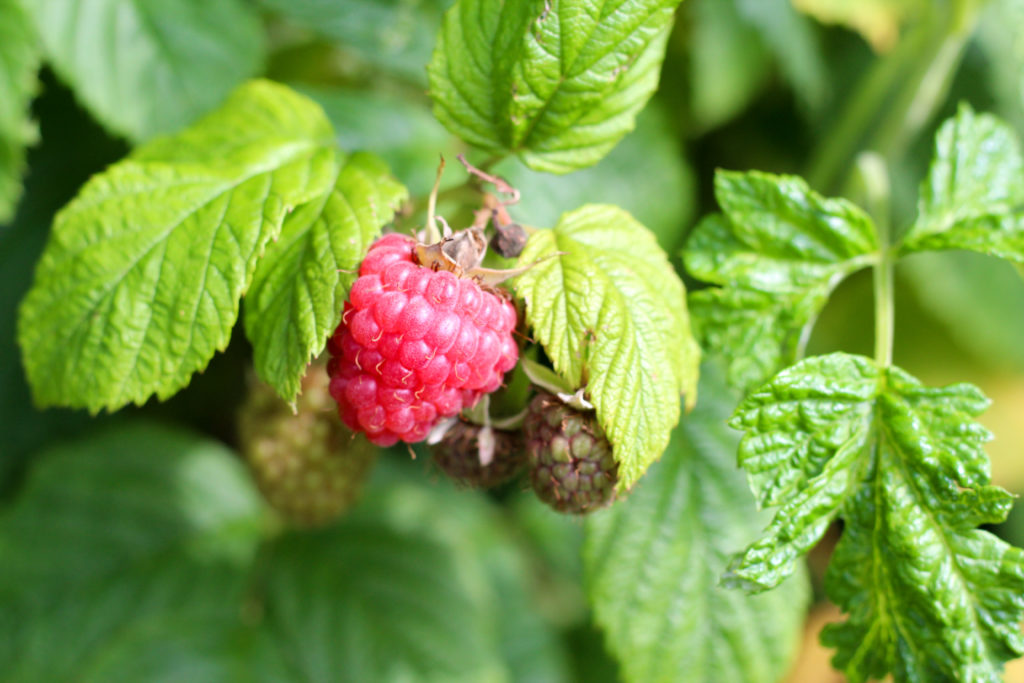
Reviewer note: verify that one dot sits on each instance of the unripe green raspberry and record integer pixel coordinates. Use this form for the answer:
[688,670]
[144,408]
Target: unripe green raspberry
[571,463]
[308,466]
[480,457]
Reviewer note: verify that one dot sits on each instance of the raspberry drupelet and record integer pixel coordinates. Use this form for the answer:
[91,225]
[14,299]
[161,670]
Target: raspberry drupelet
[415,345]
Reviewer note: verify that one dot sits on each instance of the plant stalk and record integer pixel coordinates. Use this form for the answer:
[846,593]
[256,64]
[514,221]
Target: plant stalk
[874,177]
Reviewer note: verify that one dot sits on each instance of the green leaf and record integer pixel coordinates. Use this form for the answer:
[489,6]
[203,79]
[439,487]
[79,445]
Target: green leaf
[420,582]
[19,62]
[400,131]
[557,84]
[123,557]
[973,197]
[300,286]
[929,596]
[124,497]
[395,36]
[777,252]
[645,174]
[653,561]
[611,315]
[140,280]
[146,67]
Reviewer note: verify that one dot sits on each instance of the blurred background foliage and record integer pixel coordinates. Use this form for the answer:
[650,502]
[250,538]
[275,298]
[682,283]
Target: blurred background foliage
[793,86]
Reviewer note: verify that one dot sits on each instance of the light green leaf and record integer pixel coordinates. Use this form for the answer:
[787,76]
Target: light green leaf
[611,315]
[300,286]
[929,596]
[395,36]
[556,83]
[653,562]
[645,175]
[777,252]
[19,62]
[973,197]
[146,67]
[140,281]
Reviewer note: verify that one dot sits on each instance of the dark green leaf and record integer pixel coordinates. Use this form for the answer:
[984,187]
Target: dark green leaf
[140,281]
[146,67]
[611,315]
[777,252]
[973,197]
[929,596]
[301,283]
[402,132]
[419,582]
[19,62]
[653,562]
[122,498]
[396,36]
[122,561]
[558,84]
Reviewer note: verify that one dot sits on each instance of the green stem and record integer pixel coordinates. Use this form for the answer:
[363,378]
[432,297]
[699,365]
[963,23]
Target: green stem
[874,175]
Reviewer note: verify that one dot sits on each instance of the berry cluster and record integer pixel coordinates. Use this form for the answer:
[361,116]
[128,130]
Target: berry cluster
[415,345]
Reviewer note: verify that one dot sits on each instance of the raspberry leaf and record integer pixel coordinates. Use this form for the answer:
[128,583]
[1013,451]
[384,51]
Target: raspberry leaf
[973,197]
[777,252]
[139,283]
[163,62]
[19,61]
[297,293]
[903,465]
[653,560]
[611,315]
[558,84]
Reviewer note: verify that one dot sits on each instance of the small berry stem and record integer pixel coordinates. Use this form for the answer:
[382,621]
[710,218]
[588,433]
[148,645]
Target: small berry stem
[433,233]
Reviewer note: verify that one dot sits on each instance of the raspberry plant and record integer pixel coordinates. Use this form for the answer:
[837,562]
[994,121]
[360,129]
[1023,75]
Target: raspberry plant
[267,198]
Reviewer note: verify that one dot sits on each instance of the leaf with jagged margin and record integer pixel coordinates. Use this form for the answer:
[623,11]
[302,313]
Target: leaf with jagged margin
[140,281]
[559,84]
[300,285]
[777,253]
[149,67]
[653,563]
[19,62]
[973,197]
[611,315]
[929,596]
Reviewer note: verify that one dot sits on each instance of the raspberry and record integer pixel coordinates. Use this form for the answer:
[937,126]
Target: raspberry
[307,465]
[571,463]
[415,345]
[462,453]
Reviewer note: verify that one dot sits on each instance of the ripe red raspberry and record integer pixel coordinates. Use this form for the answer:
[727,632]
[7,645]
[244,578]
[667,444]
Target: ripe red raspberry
[415,345]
